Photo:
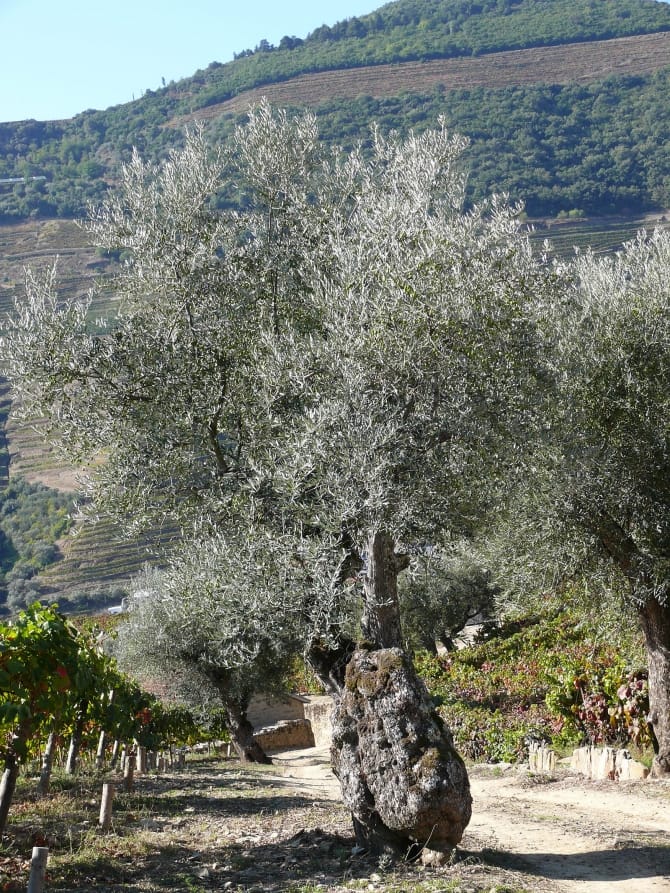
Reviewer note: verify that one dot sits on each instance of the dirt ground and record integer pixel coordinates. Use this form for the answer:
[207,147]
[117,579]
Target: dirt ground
[587,836]
[222,826]
[560,832]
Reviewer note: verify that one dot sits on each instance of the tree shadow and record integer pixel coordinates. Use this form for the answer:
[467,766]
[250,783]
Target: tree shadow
[309,856]
[633,862]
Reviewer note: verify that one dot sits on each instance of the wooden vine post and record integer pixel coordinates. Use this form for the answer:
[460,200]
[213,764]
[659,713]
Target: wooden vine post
[38,869]
[128,772]
[142,760]
[105,821]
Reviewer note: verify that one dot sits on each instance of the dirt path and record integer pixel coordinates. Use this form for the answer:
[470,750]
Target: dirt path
[565,833]
[587,836]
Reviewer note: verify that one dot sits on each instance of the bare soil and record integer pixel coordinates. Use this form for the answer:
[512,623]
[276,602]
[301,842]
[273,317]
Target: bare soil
[587,836]
[559,832]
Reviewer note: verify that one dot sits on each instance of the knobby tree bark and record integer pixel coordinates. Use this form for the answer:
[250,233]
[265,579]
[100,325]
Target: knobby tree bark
[655,620]
[654,613]
[401,777]
[380,624]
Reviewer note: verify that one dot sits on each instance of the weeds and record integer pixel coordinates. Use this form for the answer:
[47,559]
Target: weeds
[215,826]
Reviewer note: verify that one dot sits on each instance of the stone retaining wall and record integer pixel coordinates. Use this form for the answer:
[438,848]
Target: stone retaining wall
[318,710]
[593,762]
[607,762]
[288,735]
[541,758]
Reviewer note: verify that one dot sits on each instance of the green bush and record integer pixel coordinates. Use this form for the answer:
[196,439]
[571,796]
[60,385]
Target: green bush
[32,518]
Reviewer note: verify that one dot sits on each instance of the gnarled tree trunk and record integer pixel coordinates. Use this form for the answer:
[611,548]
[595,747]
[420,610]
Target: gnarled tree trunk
[655,619]
[242,735]
[329,664]
[639,568]
[241,730]
[380,624]
[405,784]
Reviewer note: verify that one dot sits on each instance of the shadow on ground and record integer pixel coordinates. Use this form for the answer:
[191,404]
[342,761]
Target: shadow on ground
[621,864]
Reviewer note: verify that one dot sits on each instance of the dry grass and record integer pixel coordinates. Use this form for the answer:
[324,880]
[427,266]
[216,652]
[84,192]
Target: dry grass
[217,826]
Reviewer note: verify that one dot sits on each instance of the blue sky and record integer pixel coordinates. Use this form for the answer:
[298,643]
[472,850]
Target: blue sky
[61,58]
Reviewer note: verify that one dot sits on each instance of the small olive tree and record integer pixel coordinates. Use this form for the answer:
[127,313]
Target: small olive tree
[444,590]
[229,613]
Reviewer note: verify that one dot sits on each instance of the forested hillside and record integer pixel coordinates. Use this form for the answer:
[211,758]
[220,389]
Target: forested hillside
[562,137]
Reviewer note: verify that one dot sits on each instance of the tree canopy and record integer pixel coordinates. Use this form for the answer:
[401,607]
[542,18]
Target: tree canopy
[596,508]
[348,364]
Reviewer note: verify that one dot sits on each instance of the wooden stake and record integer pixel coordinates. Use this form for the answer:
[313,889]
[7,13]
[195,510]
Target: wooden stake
[38,869]
[115,753]
[142,760]
[128,772]
[106,805]
[100,752]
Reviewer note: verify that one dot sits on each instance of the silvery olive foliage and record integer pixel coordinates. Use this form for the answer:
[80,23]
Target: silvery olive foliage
[616,402]
[597,504]
[443,590]
[232,598]
[221,605]
[598,507]
[349,351]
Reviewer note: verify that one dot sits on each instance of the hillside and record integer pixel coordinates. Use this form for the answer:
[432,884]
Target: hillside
[575,63]
[431,57]
[97,561]
[564,101]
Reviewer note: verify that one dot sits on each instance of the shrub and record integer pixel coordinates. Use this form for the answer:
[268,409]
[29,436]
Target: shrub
[547,678]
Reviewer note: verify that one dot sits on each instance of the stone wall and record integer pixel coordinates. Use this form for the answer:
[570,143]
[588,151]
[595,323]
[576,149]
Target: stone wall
[293,722]
[293,734]
[607,762]
[541,758]
[268,711]
[319,710]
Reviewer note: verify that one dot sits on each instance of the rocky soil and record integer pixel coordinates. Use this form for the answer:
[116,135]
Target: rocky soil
[220,826]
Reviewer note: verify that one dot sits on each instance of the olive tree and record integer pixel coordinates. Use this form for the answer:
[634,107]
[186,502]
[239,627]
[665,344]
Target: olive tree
[614,476]
[229,613]
[350,357]
[444,589]
[596,506]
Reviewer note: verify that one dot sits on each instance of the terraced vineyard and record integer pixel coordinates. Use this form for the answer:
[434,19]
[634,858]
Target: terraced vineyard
[567,64]
[604,235]
[38,245]
[97,559]
[5,405]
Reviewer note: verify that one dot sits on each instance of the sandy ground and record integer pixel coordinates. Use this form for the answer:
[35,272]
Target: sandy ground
[564,832]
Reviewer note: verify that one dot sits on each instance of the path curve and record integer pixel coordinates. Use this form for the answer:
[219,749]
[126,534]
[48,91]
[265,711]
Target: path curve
[566,832]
